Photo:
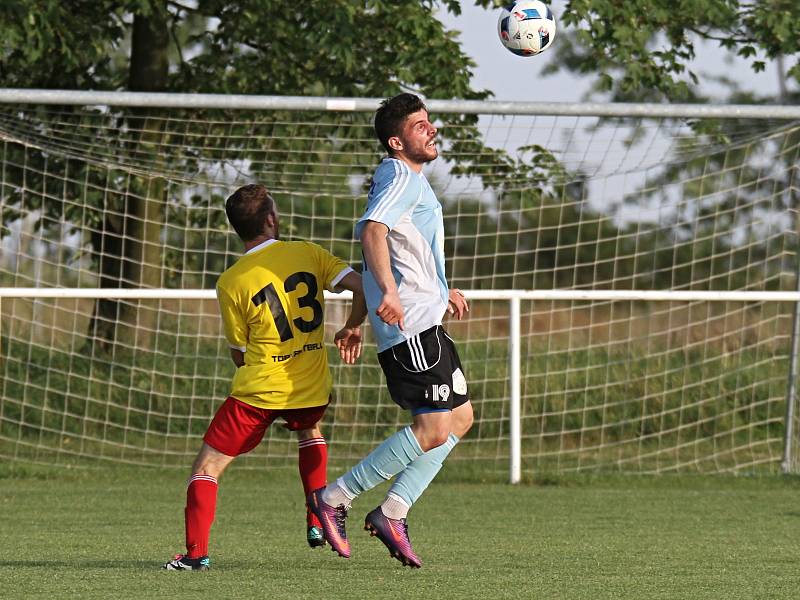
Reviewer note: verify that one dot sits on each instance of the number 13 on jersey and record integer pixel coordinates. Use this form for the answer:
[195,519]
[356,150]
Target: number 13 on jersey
[270,295]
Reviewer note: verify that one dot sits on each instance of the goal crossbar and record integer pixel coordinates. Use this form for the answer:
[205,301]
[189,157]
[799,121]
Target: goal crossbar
[334,104]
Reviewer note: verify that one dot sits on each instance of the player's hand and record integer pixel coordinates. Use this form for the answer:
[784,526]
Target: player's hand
[457,304]
[391,311]
[348,340]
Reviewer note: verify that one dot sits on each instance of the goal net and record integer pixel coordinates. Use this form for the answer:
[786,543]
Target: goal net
[117,199]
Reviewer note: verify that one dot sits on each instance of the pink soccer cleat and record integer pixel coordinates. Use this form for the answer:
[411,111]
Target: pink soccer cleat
[332,520]
[394,534]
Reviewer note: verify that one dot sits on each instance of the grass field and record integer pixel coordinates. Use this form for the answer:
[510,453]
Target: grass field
[103,533]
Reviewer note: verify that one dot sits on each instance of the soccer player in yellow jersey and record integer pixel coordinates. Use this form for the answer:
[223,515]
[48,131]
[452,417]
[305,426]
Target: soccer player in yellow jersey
[272,308]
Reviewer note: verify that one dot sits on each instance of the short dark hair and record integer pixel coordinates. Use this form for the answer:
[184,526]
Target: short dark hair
[392,113]
[247,209]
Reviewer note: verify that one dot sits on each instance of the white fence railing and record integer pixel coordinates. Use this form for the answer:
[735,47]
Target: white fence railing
[514,297]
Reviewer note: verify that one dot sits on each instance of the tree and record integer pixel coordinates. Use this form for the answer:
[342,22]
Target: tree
[640,49]
[374,48]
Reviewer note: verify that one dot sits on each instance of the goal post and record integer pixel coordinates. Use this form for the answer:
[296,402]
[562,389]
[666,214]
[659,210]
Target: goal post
[631,270]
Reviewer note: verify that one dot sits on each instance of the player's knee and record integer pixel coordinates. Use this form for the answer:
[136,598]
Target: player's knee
[463,425]
[206,469]
[204,466]
[210,462]
[462,420]
[433,437]
[309,434]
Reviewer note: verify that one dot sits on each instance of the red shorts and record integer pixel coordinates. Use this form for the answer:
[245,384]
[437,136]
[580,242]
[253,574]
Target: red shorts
[238,427]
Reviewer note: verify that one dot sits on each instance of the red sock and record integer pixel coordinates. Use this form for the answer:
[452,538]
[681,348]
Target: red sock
[313,464]
[201,505]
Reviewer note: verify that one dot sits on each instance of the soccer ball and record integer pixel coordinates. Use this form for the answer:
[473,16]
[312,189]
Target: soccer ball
[526,27]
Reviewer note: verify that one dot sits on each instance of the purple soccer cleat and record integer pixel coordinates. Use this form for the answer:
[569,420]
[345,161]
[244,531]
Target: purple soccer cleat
[332,520]
[394,534]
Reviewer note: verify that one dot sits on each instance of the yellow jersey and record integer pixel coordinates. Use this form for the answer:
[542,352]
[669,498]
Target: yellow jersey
[272,308]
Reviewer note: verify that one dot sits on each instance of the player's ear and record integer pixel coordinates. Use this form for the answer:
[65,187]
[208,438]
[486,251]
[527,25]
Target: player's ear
[395,143]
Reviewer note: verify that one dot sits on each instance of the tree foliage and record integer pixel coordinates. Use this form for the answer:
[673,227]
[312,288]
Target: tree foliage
[636,50]
[643,49]
[372,48]
[331,48]
[649,50]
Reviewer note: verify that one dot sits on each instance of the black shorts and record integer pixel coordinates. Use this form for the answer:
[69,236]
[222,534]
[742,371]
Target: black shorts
[424,373]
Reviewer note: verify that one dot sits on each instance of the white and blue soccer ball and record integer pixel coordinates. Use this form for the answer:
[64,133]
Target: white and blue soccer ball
[527,27]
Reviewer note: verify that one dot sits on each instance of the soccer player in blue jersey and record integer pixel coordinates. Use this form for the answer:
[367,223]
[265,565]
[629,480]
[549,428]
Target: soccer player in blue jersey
[402,236]
[272,307]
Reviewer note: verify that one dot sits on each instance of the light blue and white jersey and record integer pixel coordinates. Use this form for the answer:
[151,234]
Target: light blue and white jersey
[404,201]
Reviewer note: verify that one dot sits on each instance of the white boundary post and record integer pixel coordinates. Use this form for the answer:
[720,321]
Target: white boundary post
[515,374]
[788,462]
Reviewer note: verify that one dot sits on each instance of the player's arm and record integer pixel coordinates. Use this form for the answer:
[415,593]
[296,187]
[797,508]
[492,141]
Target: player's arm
[349,339]
[457,303]
[376,254]
[233,325]
[237,356]
[358,310]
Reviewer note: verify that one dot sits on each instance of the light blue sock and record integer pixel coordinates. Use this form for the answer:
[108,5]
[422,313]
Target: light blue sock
[410,484]
[383,463]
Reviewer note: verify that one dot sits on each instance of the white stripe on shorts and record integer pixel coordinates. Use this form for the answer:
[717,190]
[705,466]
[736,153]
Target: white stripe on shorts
[417,353]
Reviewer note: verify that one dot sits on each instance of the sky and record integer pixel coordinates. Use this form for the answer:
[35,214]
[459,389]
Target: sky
[603,151]
[513,77]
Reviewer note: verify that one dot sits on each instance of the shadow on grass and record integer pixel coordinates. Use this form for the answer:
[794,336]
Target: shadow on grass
[80,564]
